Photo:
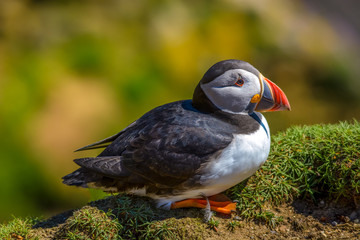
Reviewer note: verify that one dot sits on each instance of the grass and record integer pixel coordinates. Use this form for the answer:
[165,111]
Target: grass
[321,160]
[135,216]
[159,230]
[312,162]
[18,229]
[232,225]
[318,161]
[90,223]
[213,224]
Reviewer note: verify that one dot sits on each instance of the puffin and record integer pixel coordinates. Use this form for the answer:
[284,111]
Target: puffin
[186,153]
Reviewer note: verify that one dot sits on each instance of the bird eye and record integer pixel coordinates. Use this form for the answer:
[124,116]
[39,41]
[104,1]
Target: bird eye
[239,82]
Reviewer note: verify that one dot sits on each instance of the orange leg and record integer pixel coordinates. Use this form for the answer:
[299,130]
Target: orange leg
[218,203]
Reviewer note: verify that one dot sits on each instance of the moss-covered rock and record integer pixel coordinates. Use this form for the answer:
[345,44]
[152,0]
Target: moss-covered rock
[311,162]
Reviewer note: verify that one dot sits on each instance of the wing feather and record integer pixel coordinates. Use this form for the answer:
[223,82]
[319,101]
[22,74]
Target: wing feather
[104,142]
[109,166]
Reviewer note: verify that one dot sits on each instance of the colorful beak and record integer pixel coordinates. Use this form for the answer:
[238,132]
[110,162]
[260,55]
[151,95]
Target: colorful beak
[273,98]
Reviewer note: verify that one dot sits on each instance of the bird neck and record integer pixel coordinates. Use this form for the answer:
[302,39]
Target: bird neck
[257,118]
[201,102]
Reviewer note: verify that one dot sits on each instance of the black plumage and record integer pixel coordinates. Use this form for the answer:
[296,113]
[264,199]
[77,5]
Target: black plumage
[164,151]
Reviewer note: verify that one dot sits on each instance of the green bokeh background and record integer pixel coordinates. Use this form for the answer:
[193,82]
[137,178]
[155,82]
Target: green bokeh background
[74,72]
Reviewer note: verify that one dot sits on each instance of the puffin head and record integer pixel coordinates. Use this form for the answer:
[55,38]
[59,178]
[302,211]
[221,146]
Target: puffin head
[235,86]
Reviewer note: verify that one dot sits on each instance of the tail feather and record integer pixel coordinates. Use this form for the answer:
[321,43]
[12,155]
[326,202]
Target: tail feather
[88,179]
[81,178]
[106,173]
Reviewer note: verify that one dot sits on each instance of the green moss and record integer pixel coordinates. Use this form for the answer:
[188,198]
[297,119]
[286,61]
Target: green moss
[134,215]
[17,229]
[184,228]
[160,230]
[90,223]
[308,161]
[320,161]
[232,225]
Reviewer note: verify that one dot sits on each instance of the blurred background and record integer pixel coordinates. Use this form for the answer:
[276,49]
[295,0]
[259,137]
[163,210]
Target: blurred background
[74,72]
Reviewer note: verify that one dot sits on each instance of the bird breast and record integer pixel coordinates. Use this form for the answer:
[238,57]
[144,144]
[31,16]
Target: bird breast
[238,161]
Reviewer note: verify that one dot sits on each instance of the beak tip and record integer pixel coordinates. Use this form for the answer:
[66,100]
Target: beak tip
[276,99]
[286,103]
[287,106]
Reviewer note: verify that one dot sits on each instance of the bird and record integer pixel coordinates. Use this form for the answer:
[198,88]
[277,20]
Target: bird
[186,153]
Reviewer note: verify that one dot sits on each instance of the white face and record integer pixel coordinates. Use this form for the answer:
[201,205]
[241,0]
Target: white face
[228,96]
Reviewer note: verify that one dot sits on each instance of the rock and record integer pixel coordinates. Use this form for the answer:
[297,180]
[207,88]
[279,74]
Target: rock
[334,223]
[356,220]
[353,215]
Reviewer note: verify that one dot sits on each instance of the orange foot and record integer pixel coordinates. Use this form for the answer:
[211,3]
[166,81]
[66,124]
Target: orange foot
[218,203]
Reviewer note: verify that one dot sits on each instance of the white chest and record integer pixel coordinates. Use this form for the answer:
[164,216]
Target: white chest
[238,161]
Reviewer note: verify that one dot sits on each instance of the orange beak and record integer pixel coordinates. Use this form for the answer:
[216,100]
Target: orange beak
[273,98]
